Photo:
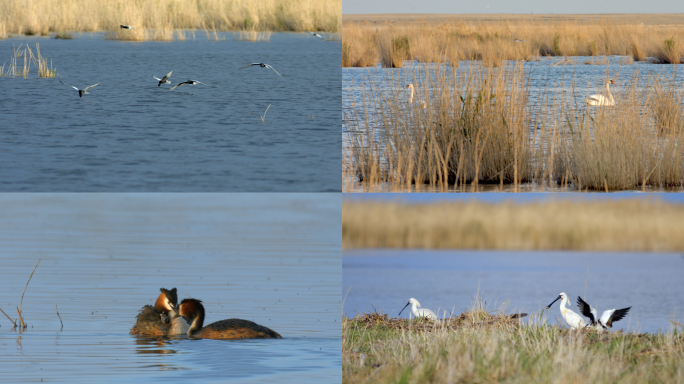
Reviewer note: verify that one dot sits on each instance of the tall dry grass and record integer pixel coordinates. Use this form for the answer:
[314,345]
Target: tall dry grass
[485,348]
[28,58]
[480,127]
[158,19]
[492,41]
[622,225]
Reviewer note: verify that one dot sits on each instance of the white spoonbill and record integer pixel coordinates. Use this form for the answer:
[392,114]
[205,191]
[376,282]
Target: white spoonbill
[81,92]
[601,100]
[163,80]
[420,102]
[574,320]
[607,318]
[262,65]
[191,82]
[419,312]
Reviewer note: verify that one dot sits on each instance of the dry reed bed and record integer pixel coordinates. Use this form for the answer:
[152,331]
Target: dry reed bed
[504,352]
[162,19]
[479,126]
[624,225]
[364,44]
[41,63]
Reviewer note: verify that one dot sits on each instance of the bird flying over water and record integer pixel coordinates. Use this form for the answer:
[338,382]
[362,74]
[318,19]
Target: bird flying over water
[262,65]
[191,82]
[163,80]
[125,26]
[317,35]
[515,38]
[81,92]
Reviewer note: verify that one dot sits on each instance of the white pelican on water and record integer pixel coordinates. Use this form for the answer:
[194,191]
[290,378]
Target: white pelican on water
[191,82]
[607,318]
[163,80]
[574,320]
[420,102]
[601,100]
[262,65]
[125,26]
[419,312]
[81,92]
[317,35]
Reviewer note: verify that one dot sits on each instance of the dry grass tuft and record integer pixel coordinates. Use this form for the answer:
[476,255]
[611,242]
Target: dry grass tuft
[622,225]
[41,63]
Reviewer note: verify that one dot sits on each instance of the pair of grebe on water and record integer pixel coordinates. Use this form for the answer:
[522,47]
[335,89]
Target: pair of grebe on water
[168,318]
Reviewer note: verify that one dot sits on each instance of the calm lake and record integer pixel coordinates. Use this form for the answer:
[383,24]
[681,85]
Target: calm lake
[448,281]
[128,134]
[270,258]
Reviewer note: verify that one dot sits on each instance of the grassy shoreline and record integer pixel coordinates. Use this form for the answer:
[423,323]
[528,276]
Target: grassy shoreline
[391,39]
[625,225]
[489,348]
[163,19]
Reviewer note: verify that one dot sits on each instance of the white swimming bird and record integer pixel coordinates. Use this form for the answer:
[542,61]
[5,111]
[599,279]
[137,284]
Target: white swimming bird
[262,65]
[81,92]
[601,100]
[515,38]
[163,80]
[420,102]
[419,312]
[574,320]
[125,26]
[191,82]
[317,35]
[607,318]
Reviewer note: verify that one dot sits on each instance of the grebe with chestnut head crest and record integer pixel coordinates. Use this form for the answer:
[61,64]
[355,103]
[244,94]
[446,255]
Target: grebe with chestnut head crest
[192,310]
[160,319]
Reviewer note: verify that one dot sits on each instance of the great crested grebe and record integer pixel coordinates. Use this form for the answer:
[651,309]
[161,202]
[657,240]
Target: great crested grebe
[161,319]
[193,311]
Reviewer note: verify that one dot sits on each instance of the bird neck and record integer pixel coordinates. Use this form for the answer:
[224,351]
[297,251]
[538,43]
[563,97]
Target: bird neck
[197,321]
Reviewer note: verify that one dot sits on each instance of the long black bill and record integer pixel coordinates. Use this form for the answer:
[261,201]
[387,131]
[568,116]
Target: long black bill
[557,298]
[402,310]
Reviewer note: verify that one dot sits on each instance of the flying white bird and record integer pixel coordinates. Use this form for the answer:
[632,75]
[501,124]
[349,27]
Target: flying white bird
[607,318]
[191,82]
[574,320]
[262,65]
[419,312]
[125,26]
[601,100]
[317,35]
[515,38]
[163,80]
[81,92]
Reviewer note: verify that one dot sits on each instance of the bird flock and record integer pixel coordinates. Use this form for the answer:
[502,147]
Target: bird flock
[165,79]
[574,321]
